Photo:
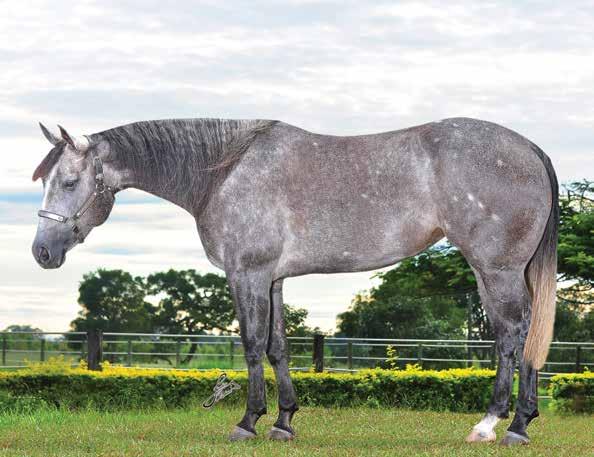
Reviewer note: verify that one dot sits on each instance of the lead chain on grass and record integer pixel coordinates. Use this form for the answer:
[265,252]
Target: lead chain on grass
[222,389]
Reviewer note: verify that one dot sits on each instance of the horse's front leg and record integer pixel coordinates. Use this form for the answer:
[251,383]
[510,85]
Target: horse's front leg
[251,294]
[278,355]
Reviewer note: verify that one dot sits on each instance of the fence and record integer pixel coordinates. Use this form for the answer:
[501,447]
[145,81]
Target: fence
[323,353]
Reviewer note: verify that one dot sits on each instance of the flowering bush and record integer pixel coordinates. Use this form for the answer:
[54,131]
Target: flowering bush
[573,392]
[57,383]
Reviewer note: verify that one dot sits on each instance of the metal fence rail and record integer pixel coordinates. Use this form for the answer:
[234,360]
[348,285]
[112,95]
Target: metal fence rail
[323,353]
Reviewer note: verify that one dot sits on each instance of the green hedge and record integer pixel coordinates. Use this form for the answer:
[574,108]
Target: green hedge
[573,393]
[117,388]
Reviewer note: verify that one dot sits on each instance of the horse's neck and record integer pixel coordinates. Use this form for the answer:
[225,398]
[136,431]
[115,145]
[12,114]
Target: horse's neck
[180,160]
[131,180]
[153,184]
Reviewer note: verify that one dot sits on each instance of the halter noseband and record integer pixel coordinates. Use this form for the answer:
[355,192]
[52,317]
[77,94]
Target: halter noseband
[101,190]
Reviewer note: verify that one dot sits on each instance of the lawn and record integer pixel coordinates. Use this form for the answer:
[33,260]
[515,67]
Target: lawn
[325,432]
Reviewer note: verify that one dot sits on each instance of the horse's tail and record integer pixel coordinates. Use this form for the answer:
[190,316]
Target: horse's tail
[541,277]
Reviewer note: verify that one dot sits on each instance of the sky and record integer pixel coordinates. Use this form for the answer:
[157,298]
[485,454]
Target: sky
[336,67]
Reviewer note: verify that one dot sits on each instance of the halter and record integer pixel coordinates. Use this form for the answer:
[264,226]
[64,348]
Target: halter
[101,191]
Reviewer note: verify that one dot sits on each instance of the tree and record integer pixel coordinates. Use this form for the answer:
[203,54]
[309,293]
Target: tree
[397,317]
[576,243]
[191,304]
[112,301]
[571,324]
[575,309]
[24,341]
[22,328]
[426,296]
[440,279]
[295,321]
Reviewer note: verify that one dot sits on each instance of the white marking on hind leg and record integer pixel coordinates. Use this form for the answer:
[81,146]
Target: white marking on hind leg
[484,432]
[487,424]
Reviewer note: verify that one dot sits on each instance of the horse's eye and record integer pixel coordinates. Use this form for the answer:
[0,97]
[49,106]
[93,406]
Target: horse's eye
[69,185]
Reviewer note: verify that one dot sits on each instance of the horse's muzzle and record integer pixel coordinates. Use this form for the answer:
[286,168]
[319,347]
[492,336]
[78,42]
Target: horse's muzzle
[48,257]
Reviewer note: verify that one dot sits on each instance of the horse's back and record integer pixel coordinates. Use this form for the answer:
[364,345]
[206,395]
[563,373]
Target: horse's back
[326,203]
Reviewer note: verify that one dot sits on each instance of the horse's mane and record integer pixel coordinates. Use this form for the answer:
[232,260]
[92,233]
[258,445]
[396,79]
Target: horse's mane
[182,157]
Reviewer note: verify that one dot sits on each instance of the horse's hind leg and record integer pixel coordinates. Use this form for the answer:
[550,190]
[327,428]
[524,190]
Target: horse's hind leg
[527,404]
[251,294]
[279,359]
[507,301]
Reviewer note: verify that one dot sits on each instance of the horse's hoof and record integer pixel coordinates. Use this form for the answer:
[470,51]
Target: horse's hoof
[481,437]
[240,434]
[278,434]
[513,439]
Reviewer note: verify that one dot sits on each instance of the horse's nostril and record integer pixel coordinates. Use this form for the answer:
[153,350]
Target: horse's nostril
[44,255]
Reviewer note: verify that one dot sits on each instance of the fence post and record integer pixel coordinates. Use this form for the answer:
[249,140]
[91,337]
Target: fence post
[177,352]
[231,353]
[4,345]
[350,355]
[420,354]
[95,347]
[129,352]
[318,353]
[42,350]
[468,355]
[578,359]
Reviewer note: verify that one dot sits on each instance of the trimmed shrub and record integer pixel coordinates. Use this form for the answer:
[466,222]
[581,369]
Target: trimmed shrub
[123,388]
[22,404]
[573,393]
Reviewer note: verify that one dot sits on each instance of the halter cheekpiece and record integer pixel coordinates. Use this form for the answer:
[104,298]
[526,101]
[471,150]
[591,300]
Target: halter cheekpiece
[101,191]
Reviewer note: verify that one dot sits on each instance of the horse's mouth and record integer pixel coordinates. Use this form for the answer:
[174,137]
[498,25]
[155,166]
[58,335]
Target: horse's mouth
[53,263]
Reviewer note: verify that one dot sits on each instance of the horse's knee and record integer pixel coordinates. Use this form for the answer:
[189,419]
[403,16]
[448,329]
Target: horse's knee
[276,354]
[253,358]
[254,354]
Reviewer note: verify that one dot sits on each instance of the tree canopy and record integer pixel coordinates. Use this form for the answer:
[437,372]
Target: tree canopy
[576,243]
[113,300]
[426,296]
[190,303]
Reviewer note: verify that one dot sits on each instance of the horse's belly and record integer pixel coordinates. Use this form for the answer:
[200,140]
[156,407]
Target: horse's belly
[362,249]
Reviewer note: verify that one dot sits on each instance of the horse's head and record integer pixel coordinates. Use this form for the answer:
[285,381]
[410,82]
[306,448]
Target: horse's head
[75,199]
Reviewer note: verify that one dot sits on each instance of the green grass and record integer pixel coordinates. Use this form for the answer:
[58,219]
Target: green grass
[325,432]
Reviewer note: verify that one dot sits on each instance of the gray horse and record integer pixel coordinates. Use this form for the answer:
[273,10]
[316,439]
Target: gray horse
[272,201]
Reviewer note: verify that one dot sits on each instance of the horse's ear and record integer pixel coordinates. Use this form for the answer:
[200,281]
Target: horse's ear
[48,162]
[81,144]
[53,139]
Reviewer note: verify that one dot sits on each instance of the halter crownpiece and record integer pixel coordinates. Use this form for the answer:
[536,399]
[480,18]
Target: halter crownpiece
[101,190]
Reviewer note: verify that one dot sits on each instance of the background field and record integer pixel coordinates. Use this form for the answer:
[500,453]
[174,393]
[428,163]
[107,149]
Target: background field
[326,432]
